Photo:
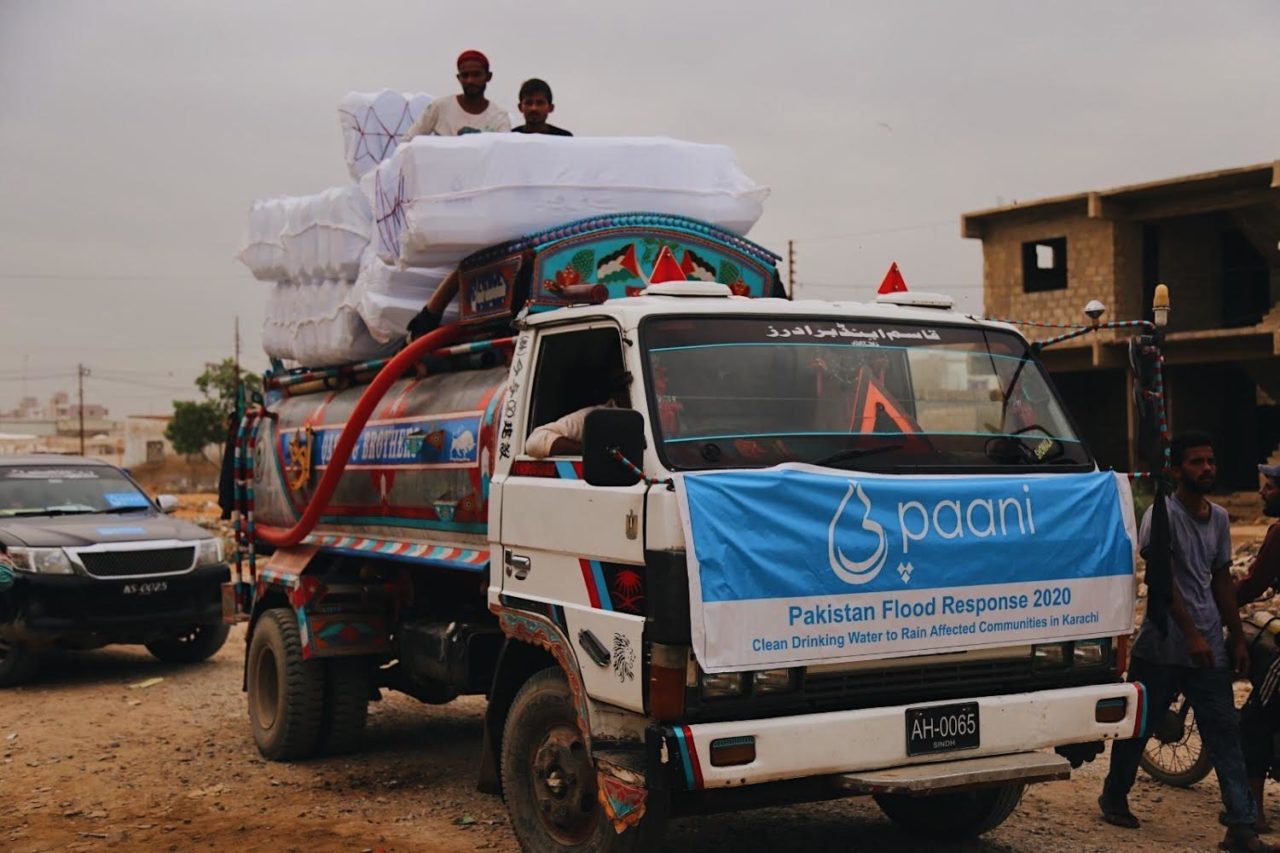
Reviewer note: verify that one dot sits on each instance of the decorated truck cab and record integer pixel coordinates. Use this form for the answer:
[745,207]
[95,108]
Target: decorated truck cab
[810,549]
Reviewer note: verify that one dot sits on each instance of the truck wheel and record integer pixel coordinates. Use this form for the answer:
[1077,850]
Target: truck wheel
[348,685]
[964,814]
[18,662]
[549,780]
[286,693]
[197,643]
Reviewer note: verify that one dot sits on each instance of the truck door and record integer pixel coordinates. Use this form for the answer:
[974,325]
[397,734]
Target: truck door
[569,549]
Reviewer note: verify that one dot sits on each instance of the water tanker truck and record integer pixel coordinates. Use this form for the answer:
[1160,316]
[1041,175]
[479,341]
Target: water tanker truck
[808,550]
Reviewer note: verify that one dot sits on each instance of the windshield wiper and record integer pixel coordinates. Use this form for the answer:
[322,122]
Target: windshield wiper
[47,511]
[851,453]
[117,509]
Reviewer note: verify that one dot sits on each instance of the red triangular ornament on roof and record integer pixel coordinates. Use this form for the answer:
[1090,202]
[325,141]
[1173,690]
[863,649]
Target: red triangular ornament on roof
[665,268]
[893,281]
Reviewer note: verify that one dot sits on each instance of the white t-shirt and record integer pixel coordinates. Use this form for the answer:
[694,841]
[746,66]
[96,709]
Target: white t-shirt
[445,117]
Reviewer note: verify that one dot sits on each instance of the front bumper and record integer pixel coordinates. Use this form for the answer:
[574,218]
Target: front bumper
[45,607]
[840,742]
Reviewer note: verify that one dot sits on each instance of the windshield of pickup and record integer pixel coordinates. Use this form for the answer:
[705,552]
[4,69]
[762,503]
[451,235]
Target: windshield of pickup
[751,392]
[30,490]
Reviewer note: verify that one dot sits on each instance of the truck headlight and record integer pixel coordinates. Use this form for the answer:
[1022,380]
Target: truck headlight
[1050,655]
[1090,652]
[47,561]
[721,685]
[768,681]
[208,551]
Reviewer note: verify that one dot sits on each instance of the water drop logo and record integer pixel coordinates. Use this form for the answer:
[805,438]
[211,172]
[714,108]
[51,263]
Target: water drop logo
[856,572]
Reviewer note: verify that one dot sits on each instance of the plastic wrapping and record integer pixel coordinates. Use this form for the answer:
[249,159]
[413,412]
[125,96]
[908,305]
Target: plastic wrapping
[325,235]
[388,298]
[317,324]
[373,124]
[263,253]
[438,199]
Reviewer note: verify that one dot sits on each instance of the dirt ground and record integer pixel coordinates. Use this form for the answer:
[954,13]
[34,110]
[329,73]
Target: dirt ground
[112,750]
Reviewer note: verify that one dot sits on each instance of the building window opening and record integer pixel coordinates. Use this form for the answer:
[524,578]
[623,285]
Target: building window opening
[1044,265]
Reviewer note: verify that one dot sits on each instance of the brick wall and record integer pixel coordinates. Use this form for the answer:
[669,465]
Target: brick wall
[1091,261]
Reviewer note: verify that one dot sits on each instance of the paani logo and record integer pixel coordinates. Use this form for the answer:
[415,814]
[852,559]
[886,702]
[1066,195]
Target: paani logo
[856,572]
[1000,518]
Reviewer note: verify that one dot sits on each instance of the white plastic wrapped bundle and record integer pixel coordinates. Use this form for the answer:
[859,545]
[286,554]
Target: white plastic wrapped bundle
[373,124]
[388,298]
[317,325]
[263,253]
[437,199]
[325,235]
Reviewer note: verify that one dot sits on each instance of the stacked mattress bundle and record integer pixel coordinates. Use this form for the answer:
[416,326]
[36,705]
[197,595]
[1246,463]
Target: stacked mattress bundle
[352,265]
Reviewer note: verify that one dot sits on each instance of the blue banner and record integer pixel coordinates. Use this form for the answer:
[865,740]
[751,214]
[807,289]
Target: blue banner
[790,554]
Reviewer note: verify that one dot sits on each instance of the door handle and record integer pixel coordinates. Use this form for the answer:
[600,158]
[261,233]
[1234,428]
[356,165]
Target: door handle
[518,566]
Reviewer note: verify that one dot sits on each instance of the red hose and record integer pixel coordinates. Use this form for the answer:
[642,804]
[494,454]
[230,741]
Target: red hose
[394,369]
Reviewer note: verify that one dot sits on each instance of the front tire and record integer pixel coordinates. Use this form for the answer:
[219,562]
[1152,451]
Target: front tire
[196,644]
[18,662]
[549,779]
[286,693]
[964,814]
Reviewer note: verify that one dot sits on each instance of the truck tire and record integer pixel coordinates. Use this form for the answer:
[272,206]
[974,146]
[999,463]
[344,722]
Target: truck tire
[18,662]
[549,780]
[348,685]
[964,814]
[286,693]
[197,643]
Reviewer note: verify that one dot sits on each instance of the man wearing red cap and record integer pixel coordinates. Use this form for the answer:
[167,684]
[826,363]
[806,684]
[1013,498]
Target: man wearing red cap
[470,112]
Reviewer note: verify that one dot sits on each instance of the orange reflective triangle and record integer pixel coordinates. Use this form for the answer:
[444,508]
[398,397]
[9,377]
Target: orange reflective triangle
[893,281]
[875,410]
[665,268]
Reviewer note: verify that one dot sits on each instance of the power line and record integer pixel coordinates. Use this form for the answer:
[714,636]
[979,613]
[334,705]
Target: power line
[41,276]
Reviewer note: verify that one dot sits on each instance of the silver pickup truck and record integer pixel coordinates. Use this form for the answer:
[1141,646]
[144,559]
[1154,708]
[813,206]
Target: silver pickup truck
[87,559]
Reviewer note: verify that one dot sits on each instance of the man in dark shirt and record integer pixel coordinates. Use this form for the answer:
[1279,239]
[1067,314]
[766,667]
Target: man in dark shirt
[1260,717]
[1187,652]
[535,106]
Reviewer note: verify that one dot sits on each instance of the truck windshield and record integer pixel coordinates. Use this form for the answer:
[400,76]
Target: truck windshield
[66,489]
[748,392]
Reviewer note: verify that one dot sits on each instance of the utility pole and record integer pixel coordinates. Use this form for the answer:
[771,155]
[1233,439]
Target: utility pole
[81,373]
[239,385]
[791,268]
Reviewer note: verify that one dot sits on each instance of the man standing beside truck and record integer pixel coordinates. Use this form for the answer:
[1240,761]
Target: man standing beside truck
[1260,717]
[1190,653]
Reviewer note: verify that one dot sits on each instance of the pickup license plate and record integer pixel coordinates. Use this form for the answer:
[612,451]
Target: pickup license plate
[942,728]
[144,588]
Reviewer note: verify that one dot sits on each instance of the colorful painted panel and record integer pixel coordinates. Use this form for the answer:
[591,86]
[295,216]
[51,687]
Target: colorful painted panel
[439,441]
[488,292]
[626,260]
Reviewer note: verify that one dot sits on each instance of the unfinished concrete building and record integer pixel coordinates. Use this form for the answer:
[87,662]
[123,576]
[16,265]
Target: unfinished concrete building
[1214,239]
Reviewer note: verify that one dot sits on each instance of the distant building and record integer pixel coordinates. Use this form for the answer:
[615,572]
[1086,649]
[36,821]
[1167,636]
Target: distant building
[1214,239]
[144,439]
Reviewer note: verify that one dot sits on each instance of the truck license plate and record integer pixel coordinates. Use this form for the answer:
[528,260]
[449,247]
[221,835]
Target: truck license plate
[942,728]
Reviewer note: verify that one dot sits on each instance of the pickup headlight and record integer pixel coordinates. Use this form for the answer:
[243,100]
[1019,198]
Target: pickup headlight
[47,561]
[1050,655]
[768,681]
[208,551]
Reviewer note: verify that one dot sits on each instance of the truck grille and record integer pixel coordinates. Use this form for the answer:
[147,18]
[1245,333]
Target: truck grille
[158,561]
[866,686]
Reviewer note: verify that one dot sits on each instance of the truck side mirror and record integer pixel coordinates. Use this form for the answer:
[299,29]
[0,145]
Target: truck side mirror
[166,503]
[603,431]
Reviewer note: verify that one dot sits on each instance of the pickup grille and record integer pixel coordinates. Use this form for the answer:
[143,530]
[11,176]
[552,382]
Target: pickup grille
[159,561]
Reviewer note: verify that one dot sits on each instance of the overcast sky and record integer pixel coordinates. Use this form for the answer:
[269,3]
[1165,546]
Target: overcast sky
[134,135]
